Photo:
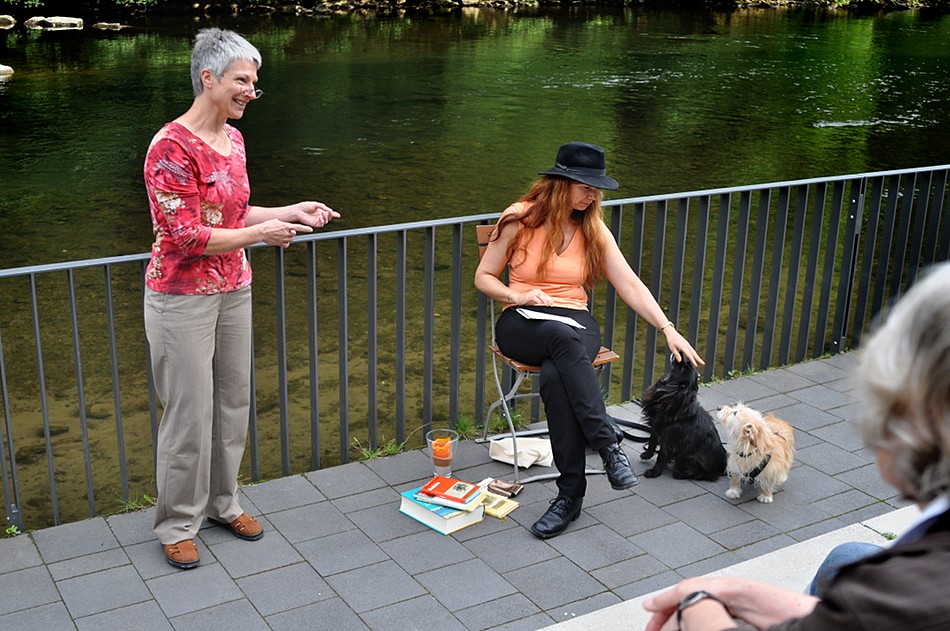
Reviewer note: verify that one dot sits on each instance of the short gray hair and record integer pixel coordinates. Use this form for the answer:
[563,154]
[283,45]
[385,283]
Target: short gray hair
[216,49]
[905,381]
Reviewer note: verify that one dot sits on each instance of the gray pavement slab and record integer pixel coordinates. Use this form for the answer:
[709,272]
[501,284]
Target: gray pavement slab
[337,551]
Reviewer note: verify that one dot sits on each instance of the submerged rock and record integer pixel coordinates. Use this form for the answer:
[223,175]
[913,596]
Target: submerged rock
[5,71]
[52,23]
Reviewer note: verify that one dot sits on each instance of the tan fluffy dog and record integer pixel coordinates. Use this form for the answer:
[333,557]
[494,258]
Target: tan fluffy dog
[761,450]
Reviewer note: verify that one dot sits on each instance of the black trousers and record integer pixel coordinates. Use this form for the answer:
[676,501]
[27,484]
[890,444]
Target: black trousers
[575,409]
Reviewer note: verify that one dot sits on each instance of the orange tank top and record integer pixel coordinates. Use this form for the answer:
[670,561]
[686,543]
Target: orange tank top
[566,272]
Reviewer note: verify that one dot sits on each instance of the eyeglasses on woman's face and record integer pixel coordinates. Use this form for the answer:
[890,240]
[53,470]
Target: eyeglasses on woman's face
[247,87]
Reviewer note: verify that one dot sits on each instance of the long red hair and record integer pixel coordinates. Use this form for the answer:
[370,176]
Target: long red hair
[548,205]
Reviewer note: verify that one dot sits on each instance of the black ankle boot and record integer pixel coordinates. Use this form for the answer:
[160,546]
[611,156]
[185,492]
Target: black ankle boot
[555,520]
[619,472]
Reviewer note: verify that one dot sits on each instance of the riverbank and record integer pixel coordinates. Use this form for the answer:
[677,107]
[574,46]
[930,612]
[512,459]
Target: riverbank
[128,11]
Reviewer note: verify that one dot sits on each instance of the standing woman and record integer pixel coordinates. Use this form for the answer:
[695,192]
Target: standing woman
[557,246]
[198,294]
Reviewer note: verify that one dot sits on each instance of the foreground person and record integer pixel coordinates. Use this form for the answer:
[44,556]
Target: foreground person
[556,246]
[198,294]
[905,386]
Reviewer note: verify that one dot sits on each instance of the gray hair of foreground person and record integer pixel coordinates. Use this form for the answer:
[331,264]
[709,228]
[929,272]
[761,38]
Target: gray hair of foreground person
[216,49]
[905,383]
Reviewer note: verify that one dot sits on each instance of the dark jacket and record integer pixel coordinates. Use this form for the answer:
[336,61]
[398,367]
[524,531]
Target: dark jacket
[905,587]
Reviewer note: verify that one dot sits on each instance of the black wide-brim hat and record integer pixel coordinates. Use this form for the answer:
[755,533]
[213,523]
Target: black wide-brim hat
[583,163]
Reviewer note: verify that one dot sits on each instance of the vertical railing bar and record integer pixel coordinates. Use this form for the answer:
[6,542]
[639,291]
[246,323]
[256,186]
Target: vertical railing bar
[887,240]
[428,328]
[343,363]
[794,270]
[116,397]
[719,274]
[252,438]
[11,486]
[755,279]
[828,269]
[635,258]
[920,223]
[811,270]
[943,251]
[738,276]
[656,286]
[903,234]
[314,360]
[868,259]
[401,336]
[150,379]
[849,260]
[775,275]
[455,341]
[41,372]
[81,391]
[679,260]
[933,229]
[280,315]
[372,340]
[481,341]
[610,305]
[699,270]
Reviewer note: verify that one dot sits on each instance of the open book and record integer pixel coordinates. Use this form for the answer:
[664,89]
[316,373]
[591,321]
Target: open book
[540,315]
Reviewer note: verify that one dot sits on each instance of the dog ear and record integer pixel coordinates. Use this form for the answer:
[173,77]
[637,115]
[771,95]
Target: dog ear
[750,432]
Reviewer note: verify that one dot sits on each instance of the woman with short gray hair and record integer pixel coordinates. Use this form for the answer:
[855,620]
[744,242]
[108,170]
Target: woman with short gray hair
[904,380]
[198,294]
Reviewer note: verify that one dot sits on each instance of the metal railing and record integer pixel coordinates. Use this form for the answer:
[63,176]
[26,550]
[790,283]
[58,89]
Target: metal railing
[757,276]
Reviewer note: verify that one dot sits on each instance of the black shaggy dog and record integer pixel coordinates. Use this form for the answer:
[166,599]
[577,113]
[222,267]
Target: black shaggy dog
[681,431]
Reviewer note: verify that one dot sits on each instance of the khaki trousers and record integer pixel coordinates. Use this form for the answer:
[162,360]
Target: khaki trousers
[201,359]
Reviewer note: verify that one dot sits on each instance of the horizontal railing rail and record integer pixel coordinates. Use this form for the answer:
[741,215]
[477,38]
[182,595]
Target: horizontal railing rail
[365,338]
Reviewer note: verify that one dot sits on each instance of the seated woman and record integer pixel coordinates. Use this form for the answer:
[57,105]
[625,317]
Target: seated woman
[557,246]
[904,379]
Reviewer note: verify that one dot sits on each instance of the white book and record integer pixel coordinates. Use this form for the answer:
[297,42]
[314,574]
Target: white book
[540,315]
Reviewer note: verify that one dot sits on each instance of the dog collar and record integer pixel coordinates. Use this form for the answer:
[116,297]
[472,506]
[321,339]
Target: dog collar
[752,475]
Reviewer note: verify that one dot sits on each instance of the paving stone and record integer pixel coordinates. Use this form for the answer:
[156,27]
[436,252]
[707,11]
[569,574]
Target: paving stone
[382,523]
[629,571]
[677,545]
[745,390]
[764,547]
[648,585]
[498,612]
[88,564]
[711,564]
[462,585]
[664,490]
[242,558]
[134,527]
[18,553]
[810,485]
[146,615]
[34,587]
[113,588]
[785,513]
[707,513]
[630,515]
[782,380]
[510,549]
[817,529]
[282,494]
[285,588]
[344,480]
[51,616]
[744,534]
[192,590]
[369,499]
[850,500]
[805,417]
[238,614]
[594,547]
[375,586]
[74,540]
[425,551]
[818,371]
[844,435]
[822,397]
[829,458]
[866,512]
[774,402]
[309,522]
[402,468]
[424,612]
[331,614]
[341,552]
[554,583]
[586,605]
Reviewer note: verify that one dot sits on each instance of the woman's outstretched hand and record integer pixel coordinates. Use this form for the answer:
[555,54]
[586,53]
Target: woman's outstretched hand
[682,349]
[314,214]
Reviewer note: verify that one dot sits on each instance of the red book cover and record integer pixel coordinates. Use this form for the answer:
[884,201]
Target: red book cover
[450,489]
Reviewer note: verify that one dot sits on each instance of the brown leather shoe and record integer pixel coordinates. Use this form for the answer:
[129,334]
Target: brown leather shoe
[183,555]
[244,527]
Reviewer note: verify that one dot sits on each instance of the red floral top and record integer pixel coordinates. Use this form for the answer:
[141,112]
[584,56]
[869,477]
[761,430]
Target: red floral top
[191,189]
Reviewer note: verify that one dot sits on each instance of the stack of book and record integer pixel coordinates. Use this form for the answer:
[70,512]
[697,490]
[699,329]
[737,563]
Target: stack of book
[446,504]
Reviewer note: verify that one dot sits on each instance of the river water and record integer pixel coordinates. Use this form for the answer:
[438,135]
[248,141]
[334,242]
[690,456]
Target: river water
[393,119]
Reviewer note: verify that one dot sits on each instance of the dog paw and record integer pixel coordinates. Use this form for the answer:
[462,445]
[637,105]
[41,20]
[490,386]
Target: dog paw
[733,493]
[652,473]
[646,455]
[765,499]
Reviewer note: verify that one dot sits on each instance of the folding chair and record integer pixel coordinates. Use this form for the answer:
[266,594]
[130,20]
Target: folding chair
[521,371]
